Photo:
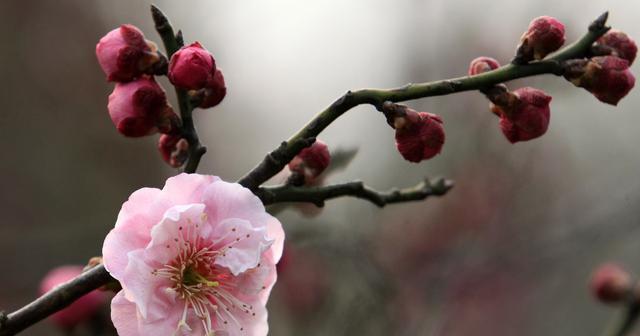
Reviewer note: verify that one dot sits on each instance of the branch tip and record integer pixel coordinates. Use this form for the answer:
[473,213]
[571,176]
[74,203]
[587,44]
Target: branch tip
[158,16]
[599,23]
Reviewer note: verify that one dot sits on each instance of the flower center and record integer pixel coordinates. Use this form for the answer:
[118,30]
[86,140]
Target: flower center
[191,277]
[206,290]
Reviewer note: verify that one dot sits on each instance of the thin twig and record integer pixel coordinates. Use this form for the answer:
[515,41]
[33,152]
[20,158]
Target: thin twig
[376,97]
[172,43]
[624,324]
[357,189]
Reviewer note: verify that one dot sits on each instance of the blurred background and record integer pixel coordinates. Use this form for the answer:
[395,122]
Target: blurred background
[507,252]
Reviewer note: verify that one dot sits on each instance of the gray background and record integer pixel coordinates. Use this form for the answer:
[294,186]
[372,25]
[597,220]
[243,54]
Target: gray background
[507,252]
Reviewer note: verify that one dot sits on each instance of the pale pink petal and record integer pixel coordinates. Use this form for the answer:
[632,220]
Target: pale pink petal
[117,244]
[275,233]
[247,323]
[146,289]
[187,188]
[129,322]
[143,209]
[184,221]
[243,244]
[123,315]
[231,200]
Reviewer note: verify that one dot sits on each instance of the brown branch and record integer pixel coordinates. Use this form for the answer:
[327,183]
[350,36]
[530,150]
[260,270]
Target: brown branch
[357,189]
[55,300]
[172,42]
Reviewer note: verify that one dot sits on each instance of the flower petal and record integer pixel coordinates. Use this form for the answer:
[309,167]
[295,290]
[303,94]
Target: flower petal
[180,223]
[242,245]
[122,315]
[231,200]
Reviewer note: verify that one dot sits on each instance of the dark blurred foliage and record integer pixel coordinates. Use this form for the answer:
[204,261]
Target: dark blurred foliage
[507,252]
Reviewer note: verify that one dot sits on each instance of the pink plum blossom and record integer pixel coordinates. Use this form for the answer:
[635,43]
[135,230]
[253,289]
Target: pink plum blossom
[79,311]
[195,258]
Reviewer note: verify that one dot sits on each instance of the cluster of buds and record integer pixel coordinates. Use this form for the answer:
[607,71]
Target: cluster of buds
[611,284]
[606,75]
[524,113]
[419,135]
[138,105]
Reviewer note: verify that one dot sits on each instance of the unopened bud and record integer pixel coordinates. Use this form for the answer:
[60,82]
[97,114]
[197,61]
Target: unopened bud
[482,64]
[192,67]
[419,135]
[525,117]
[214,91]
[610,283]
[124,54]
[608,78]
[544,36]
[616,43]
[140,108]
[311,161]
[173,149]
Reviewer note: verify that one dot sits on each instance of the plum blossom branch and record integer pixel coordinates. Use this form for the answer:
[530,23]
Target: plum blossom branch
[172,42]
[318,195]
[54,300]
[275,161]
[553,64]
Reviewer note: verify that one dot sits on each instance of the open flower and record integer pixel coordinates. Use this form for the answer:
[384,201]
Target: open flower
[195,258]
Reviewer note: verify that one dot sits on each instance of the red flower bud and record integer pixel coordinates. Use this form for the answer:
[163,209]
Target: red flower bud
[174,149]
[482,64]
[214,91]
[617,43]
[544,36]
[192,67]
[610,283]
[124,54]
[608,78]
[311,161]
[80,310]
[140,108]
[419,135]
[526,116]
